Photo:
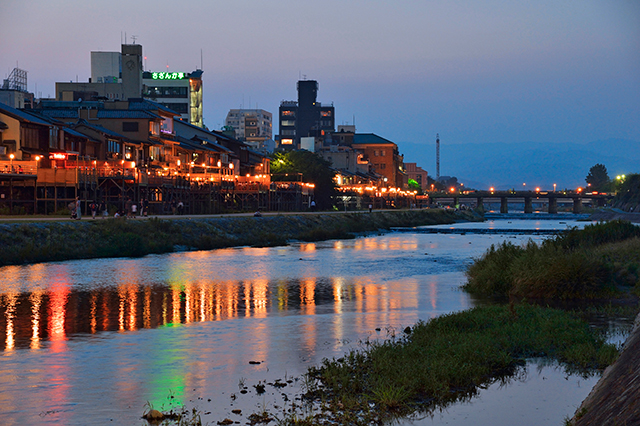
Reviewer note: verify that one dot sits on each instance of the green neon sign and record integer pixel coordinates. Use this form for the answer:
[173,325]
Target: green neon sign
[168,75]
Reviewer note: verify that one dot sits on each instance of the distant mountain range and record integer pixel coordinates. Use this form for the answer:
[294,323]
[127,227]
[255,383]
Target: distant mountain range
[505,166]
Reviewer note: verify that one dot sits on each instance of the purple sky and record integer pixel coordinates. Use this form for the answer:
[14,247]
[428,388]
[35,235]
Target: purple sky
[473,71]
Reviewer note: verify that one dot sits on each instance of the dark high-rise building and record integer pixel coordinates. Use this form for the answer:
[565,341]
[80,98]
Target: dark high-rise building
[305,118]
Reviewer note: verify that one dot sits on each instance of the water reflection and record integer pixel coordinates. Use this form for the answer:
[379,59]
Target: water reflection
[63,312]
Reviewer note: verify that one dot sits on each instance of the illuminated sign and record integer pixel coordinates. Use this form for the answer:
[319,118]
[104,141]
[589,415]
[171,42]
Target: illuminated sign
[286,141]
[168,75]
[57,156]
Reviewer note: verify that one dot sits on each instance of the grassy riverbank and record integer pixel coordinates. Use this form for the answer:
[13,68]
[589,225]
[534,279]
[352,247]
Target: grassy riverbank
[597,262]
[445,360]
[31,242]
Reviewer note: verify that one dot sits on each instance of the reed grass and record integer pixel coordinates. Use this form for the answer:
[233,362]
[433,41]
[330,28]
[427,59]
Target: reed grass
[448,358]
[595,262]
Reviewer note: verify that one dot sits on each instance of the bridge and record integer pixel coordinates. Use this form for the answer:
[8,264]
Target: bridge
[525,197]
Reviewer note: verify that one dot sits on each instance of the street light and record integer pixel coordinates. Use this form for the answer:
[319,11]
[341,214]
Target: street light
[554,187]
[11,157]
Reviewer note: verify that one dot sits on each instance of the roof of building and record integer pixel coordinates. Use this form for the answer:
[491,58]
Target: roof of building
[370,138]
[102,113]
[140,104]
[22,115]
[99,128]
[199,141]
[75,133]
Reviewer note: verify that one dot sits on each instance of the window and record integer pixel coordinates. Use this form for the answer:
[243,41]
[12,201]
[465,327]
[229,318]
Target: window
[154,128]
[167,125]
[179,108]
[129,126]
[325,113]
[288,123]
[113,146]
[382,152]
[286,141]
[288,114]
[375,153]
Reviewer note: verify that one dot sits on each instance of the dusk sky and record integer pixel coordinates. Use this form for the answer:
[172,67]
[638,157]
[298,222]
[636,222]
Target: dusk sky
[476,72]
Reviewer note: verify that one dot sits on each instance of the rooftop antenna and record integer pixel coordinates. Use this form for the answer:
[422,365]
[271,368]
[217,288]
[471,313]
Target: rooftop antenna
[437,156]
[134,38]
[201,67]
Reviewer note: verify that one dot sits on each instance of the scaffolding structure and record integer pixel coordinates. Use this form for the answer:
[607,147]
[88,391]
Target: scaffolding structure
[17,80]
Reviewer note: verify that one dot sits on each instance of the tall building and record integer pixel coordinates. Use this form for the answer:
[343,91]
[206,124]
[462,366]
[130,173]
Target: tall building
[120,76]
[179,91]
[304,118]
[252,126]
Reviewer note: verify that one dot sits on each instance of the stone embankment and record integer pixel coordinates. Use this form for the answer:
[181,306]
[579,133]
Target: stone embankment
[614,400]
[30,242]
[615,214]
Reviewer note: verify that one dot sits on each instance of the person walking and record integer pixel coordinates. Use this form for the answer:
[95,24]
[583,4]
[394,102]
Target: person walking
[127,208]
[104,210]
[78,208]
[94,208]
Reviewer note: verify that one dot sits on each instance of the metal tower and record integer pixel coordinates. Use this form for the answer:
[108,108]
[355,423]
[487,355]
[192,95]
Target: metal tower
[437,156]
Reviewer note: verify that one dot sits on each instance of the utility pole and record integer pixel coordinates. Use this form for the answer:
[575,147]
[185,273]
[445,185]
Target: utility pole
[437,156]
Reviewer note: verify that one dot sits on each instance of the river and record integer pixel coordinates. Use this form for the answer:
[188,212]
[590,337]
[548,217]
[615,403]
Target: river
[90,342]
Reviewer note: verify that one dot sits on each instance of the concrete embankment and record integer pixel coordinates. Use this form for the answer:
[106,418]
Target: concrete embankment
[30,242]
[614,401]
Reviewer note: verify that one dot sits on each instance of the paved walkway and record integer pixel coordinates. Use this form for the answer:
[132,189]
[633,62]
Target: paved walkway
[186,216]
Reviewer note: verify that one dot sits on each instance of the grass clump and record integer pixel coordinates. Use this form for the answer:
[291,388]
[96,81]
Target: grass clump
[448,358]
[578,264]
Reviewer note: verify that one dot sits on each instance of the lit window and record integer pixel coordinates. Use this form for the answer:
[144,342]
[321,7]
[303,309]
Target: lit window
[286,141]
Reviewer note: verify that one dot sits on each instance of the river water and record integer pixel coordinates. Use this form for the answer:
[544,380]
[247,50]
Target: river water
[90,342]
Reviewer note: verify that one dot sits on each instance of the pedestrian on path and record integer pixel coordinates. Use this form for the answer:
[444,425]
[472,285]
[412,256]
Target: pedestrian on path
[78,208]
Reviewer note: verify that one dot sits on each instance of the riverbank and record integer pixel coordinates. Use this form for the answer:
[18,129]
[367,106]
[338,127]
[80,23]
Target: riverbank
[42,241]
[613,401]
[615,214]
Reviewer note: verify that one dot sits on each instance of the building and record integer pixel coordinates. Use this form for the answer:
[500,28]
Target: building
[383,156]
[178,91]
[304,118]
[13,91]
[252,126]
[120,76]
[418,174]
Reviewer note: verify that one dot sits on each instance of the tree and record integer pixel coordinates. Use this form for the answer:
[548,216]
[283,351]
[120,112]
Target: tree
[598,178]
[414,186]
[313,168]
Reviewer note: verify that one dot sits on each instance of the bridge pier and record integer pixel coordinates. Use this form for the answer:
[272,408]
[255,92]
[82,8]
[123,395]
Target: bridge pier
[553,205]
[528,205]
[504,205]
[577,205]
[479,204]
[456,202]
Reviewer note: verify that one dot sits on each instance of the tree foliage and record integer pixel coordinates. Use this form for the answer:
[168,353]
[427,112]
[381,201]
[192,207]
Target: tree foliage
[311,168]
[598,178]
[414,186]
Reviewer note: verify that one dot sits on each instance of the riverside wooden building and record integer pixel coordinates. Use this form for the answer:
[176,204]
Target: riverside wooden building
[136,149]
